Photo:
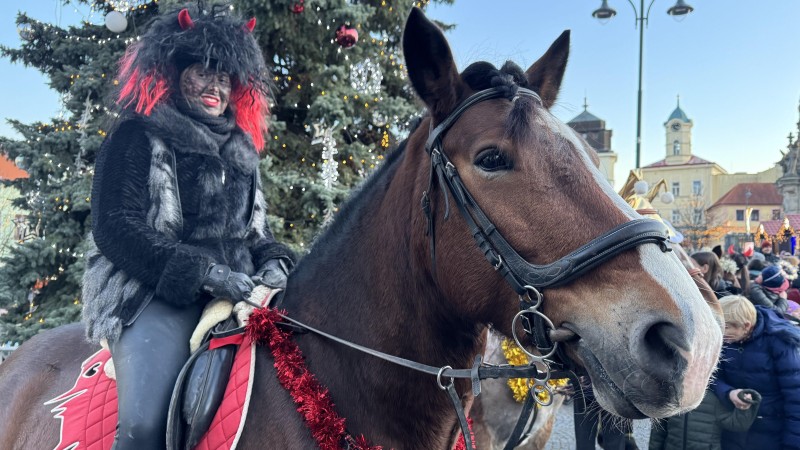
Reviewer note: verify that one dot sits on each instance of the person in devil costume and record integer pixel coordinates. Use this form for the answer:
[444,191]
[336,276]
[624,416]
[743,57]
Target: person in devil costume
[178,216]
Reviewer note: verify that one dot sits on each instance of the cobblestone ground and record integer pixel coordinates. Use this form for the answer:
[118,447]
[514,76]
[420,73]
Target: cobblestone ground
[563,437]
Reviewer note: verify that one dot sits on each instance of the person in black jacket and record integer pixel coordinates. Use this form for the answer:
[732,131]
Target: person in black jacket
[701,428]
[178,216]
[769,289]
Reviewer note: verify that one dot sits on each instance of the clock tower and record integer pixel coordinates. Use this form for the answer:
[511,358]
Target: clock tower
[679,136]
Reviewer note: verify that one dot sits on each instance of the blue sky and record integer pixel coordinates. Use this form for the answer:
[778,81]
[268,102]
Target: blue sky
[736,69]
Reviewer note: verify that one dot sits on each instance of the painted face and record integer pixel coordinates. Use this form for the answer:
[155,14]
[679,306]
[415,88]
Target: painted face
[206,88]
[735,332]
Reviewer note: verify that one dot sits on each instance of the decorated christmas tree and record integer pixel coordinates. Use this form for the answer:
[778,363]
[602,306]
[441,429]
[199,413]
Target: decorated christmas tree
[340,102]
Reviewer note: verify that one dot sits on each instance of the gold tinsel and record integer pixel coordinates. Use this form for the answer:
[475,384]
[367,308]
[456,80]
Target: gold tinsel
[520,386]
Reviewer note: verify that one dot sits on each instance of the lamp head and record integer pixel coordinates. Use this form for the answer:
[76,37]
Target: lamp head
[680,9]
[604,13]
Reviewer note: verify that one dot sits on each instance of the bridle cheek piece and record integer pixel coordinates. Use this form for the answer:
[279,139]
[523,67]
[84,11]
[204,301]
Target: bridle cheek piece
[528,280]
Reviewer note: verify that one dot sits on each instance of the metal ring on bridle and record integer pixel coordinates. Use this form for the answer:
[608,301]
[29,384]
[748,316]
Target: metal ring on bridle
[528,290]
[499,262]
[439,378]
[519,344]
[532,391]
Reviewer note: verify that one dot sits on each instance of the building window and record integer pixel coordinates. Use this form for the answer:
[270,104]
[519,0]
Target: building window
[676,216]
[740,215]
[776,214]
[754,216]
[697,187]
[676,148]
[676,189]
[698,216]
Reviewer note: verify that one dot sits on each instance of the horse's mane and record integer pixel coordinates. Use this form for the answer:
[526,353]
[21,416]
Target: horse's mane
[483,75]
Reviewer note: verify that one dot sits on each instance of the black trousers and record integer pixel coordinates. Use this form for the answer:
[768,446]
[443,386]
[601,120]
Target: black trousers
[148,357]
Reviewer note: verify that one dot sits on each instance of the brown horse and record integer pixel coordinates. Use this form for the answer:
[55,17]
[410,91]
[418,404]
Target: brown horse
[643,331]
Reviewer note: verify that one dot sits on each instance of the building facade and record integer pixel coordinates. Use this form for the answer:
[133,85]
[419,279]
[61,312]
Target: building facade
[594,131]
[11,217]
[698,184]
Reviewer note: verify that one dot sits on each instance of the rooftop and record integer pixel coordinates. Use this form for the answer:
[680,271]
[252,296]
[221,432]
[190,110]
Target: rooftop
[679,114]
[772,227]
[760,194]
[694,160]
[9,170]
[585,116]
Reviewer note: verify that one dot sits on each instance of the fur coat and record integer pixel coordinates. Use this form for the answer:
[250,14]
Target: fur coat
[170,197]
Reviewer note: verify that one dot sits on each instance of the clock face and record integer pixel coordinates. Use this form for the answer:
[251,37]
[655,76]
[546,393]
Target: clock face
[676,126]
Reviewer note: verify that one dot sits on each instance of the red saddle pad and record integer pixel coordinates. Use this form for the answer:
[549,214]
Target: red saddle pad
[88,411]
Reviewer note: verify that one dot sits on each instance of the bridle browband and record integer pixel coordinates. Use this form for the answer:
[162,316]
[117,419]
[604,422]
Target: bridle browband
[528,280]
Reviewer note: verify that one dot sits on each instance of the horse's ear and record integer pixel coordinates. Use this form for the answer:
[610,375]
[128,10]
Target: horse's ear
[430,64]
[545,75]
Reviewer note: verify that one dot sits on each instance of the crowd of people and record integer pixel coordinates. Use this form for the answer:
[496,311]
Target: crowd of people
[754,400]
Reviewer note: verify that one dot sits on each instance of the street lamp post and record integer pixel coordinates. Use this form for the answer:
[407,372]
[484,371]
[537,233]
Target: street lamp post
[604,13]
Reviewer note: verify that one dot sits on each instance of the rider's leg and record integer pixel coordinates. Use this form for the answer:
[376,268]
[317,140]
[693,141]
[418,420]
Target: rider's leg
[148,357]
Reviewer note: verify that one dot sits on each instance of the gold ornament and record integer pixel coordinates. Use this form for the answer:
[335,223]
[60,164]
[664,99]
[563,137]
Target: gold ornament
[521,386]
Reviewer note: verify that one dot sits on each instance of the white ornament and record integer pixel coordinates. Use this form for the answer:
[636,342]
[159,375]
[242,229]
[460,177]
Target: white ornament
[379,119]
[366,77]
[116,22]
[667,197]
[25,31]
[329,169]
[66,97]
[641,187]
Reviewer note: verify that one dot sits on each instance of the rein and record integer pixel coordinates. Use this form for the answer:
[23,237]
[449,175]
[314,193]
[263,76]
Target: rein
[528,280]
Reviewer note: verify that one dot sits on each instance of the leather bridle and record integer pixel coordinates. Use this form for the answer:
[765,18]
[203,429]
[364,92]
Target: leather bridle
[528,281]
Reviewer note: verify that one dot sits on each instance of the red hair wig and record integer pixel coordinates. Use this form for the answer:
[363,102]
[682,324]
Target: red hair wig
[149,71]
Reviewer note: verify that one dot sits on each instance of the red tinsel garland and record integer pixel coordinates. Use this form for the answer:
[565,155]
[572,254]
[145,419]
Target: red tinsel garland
[313,401]
[460,444]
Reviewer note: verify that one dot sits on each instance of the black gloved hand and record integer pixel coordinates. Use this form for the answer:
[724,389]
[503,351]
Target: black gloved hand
[273,273]
[220,281]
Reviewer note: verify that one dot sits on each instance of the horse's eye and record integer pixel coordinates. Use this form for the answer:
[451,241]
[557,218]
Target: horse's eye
[492,160]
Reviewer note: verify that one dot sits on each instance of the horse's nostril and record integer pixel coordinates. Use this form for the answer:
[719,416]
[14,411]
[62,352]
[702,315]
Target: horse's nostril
[658,350]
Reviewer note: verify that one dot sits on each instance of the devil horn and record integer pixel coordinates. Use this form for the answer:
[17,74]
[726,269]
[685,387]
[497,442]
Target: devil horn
[185,20]
[250,25]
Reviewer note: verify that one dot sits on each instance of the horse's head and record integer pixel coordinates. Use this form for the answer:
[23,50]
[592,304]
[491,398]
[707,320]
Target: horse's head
[644,332]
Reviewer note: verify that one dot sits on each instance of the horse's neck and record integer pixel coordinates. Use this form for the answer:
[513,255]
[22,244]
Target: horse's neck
[369,288]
